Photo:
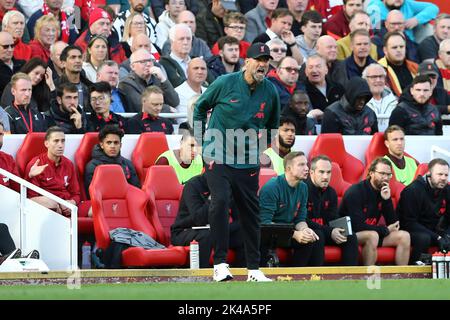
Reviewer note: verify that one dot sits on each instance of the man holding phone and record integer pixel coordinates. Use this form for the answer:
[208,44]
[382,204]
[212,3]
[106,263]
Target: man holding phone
[366,202]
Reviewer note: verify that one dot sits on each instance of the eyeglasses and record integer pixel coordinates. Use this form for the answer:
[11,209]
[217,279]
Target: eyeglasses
[6,46]
[290,69]
[277,50]
[381,76]
[384,174]
[99,99]
[144,61]
[432,76]
[239,28]
[446,52]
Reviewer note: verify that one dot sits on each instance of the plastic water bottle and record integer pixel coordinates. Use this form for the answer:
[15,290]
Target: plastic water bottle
[447,266]
[86,256]
[194,255]
[438,265]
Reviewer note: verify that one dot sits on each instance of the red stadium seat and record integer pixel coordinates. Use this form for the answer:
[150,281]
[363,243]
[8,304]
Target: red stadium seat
[115,203]
[421,170]
[396,190]
[332,145]
[337,182]
[265,175]
[82,156]
[376,148]
[148,148]
[164,193]
[32,145]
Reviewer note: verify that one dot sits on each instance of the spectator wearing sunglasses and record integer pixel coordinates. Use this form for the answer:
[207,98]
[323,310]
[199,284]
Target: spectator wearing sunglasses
[285,79]
[8,65]
[278,50]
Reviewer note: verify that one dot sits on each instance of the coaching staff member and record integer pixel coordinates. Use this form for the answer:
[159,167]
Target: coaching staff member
[243,103]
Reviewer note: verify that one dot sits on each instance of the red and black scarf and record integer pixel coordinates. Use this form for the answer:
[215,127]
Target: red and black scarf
[65,32]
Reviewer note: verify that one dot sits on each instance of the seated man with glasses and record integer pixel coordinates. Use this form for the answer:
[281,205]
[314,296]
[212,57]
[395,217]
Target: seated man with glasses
[144,73]
[285,79]
[365,203]
[100,97]
[8,65]
[235,24]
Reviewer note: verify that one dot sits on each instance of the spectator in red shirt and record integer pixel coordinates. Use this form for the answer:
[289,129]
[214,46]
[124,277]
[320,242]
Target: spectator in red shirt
[337,25]
[54,173]
[14,23]
[235,24]
[46,33]
[7,163]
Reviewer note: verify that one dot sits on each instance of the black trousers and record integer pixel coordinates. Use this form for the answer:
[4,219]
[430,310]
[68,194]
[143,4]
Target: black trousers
[225,182]
[304,254]
[420,242]
[205,244]
[349,249]
[6,242]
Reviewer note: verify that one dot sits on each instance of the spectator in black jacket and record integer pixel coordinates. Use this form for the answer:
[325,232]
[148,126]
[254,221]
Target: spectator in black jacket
[65,111]
[429,47]
[108,152]
[148,120]
[101,115]
[228,59]
[351,115]
[193,212]
[322,208]
[210,22]
[297,109]
[424,209]
[24,117]
[365,203]
[8,65]
[414,113]
[321,91]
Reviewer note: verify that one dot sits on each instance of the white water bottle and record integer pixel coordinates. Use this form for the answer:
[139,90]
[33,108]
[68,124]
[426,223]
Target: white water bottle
[86,256]
[194,255]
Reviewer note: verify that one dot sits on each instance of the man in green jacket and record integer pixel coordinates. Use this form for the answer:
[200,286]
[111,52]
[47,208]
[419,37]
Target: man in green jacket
[283,199]
[245,105]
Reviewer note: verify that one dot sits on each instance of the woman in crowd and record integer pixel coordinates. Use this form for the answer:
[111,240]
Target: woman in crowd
[96,54]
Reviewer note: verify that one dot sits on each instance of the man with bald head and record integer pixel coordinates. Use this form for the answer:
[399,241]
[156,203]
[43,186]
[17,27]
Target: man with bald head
[139,41]
[326,47]
[144,73]
[395,21]
[8,65]
[196,76]
[199,46]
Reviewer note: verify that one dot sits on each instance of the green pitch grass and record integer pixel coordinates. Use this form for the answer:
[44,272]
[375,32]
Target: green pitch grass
[296,290]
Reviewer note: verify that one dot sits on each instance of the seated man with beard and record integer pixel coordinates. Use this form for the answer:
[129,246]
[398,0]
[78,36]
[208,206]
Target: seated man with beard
[273,157]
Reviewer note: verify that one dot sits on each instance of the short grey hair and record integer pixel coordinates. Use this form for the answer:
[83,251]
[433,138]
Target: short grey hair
[372,65]
[9,15]
[175,28]
[276,41]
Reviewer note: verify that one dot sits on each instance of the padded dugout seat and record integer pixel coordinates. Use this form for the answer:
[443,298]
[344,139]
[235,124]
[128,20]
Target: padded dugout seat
[82,156]
[337,182]
[265,174]
[332,145]
[148,148]
[115,203]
